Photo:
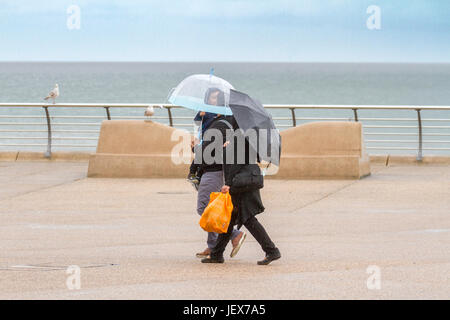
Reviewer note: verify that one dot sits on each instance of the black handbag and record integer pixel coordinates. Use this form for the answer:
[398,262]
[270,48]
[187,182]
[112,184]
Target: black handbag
[249,178]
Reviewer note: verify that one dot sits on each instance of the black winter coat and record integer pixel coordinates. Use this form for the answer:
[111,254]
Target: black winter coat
[246,204]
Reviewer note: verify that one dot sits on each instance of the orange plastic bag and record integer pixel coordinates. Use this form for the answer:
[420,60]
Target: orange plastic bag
[217,215]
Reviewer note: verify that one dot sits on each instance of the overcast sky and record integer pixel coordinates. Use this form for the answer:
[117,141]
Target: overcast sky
[225,30]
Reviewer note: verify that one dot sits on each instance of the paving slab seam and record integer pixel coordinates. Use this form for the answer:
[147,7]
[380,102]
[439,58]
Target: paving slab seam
[210,278]
[334,192]
[108,246]
[41,189]
[322,198]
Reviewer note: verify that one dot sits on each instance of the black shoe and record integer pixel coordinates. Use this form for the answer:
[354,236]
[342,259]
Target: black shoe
[269,258]
[213,260]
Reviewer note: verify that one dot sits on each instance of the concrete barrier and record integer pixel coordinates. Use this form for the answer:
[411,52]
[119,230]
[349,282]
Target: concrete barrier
[8,156]
[138,149]
[331,150]
[143,149]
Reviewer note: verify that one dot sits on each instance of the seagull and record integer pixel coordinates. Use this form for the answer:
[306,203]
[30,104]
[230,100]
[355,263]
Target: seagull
[150,111]
[53,94]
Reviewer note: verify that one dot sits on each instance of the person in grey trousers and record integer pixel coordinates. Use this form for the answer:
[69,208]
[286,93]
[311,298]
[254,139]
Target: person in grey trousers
[212,180]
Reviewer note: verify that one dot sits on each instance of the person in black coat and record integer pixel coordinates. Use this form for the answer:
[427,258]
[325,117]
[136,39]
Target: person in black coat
[246,203]
[212,170]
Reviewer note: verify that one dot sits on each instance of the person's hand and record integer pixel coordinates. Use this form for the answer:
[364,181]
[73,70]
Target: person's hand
[226,143]
[225,189]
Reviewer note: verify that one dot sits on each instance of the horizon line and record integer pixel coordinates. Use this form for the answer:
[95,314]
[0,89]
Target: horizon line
[243,61]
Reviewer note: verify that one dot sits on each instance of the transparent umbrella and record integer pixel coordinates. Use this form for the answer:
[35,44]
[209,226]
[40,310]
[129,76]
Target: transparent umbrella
[203,92]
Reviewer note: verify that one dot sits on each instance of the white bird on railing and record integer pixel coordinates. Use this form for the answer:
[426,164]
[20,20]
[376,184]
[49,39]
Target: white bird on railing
[53,94]
[150,111]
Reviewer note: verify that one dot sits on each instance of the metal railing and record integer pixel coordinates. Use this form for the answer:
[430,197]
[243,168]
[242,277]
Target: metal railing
[51,126]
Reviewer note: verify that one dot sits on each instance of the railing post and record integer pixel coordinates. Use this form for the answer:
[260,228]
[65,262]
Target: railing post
[107,113]
[170,116]
[355,113]
[48,153]
[294,121]
[419,152]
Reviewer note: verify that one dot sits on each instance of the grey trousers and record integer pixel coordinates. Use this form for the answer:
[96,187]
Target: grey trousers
[210,182]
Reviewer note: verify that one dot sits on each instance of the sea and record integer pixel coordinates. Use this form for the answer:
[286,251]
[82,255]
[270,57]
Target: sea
[393,84]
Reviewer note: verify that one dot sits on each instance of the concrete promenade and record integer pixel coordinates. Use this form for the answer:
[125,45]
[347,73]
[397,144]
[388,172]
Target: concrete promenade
[136,238]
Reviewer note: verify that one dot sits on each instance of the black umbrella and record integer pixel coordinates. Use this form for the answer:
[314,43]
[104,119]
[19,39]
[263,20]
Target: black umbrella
[251,117]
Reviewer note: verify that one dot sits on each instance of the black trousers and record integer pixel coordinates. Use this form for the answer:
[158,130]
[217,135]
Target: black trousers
[257,231]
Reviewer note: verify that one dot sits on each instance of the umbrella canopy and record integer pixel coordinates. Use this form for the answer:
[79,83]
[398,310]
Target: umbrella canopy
[252,118]
[203,92]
